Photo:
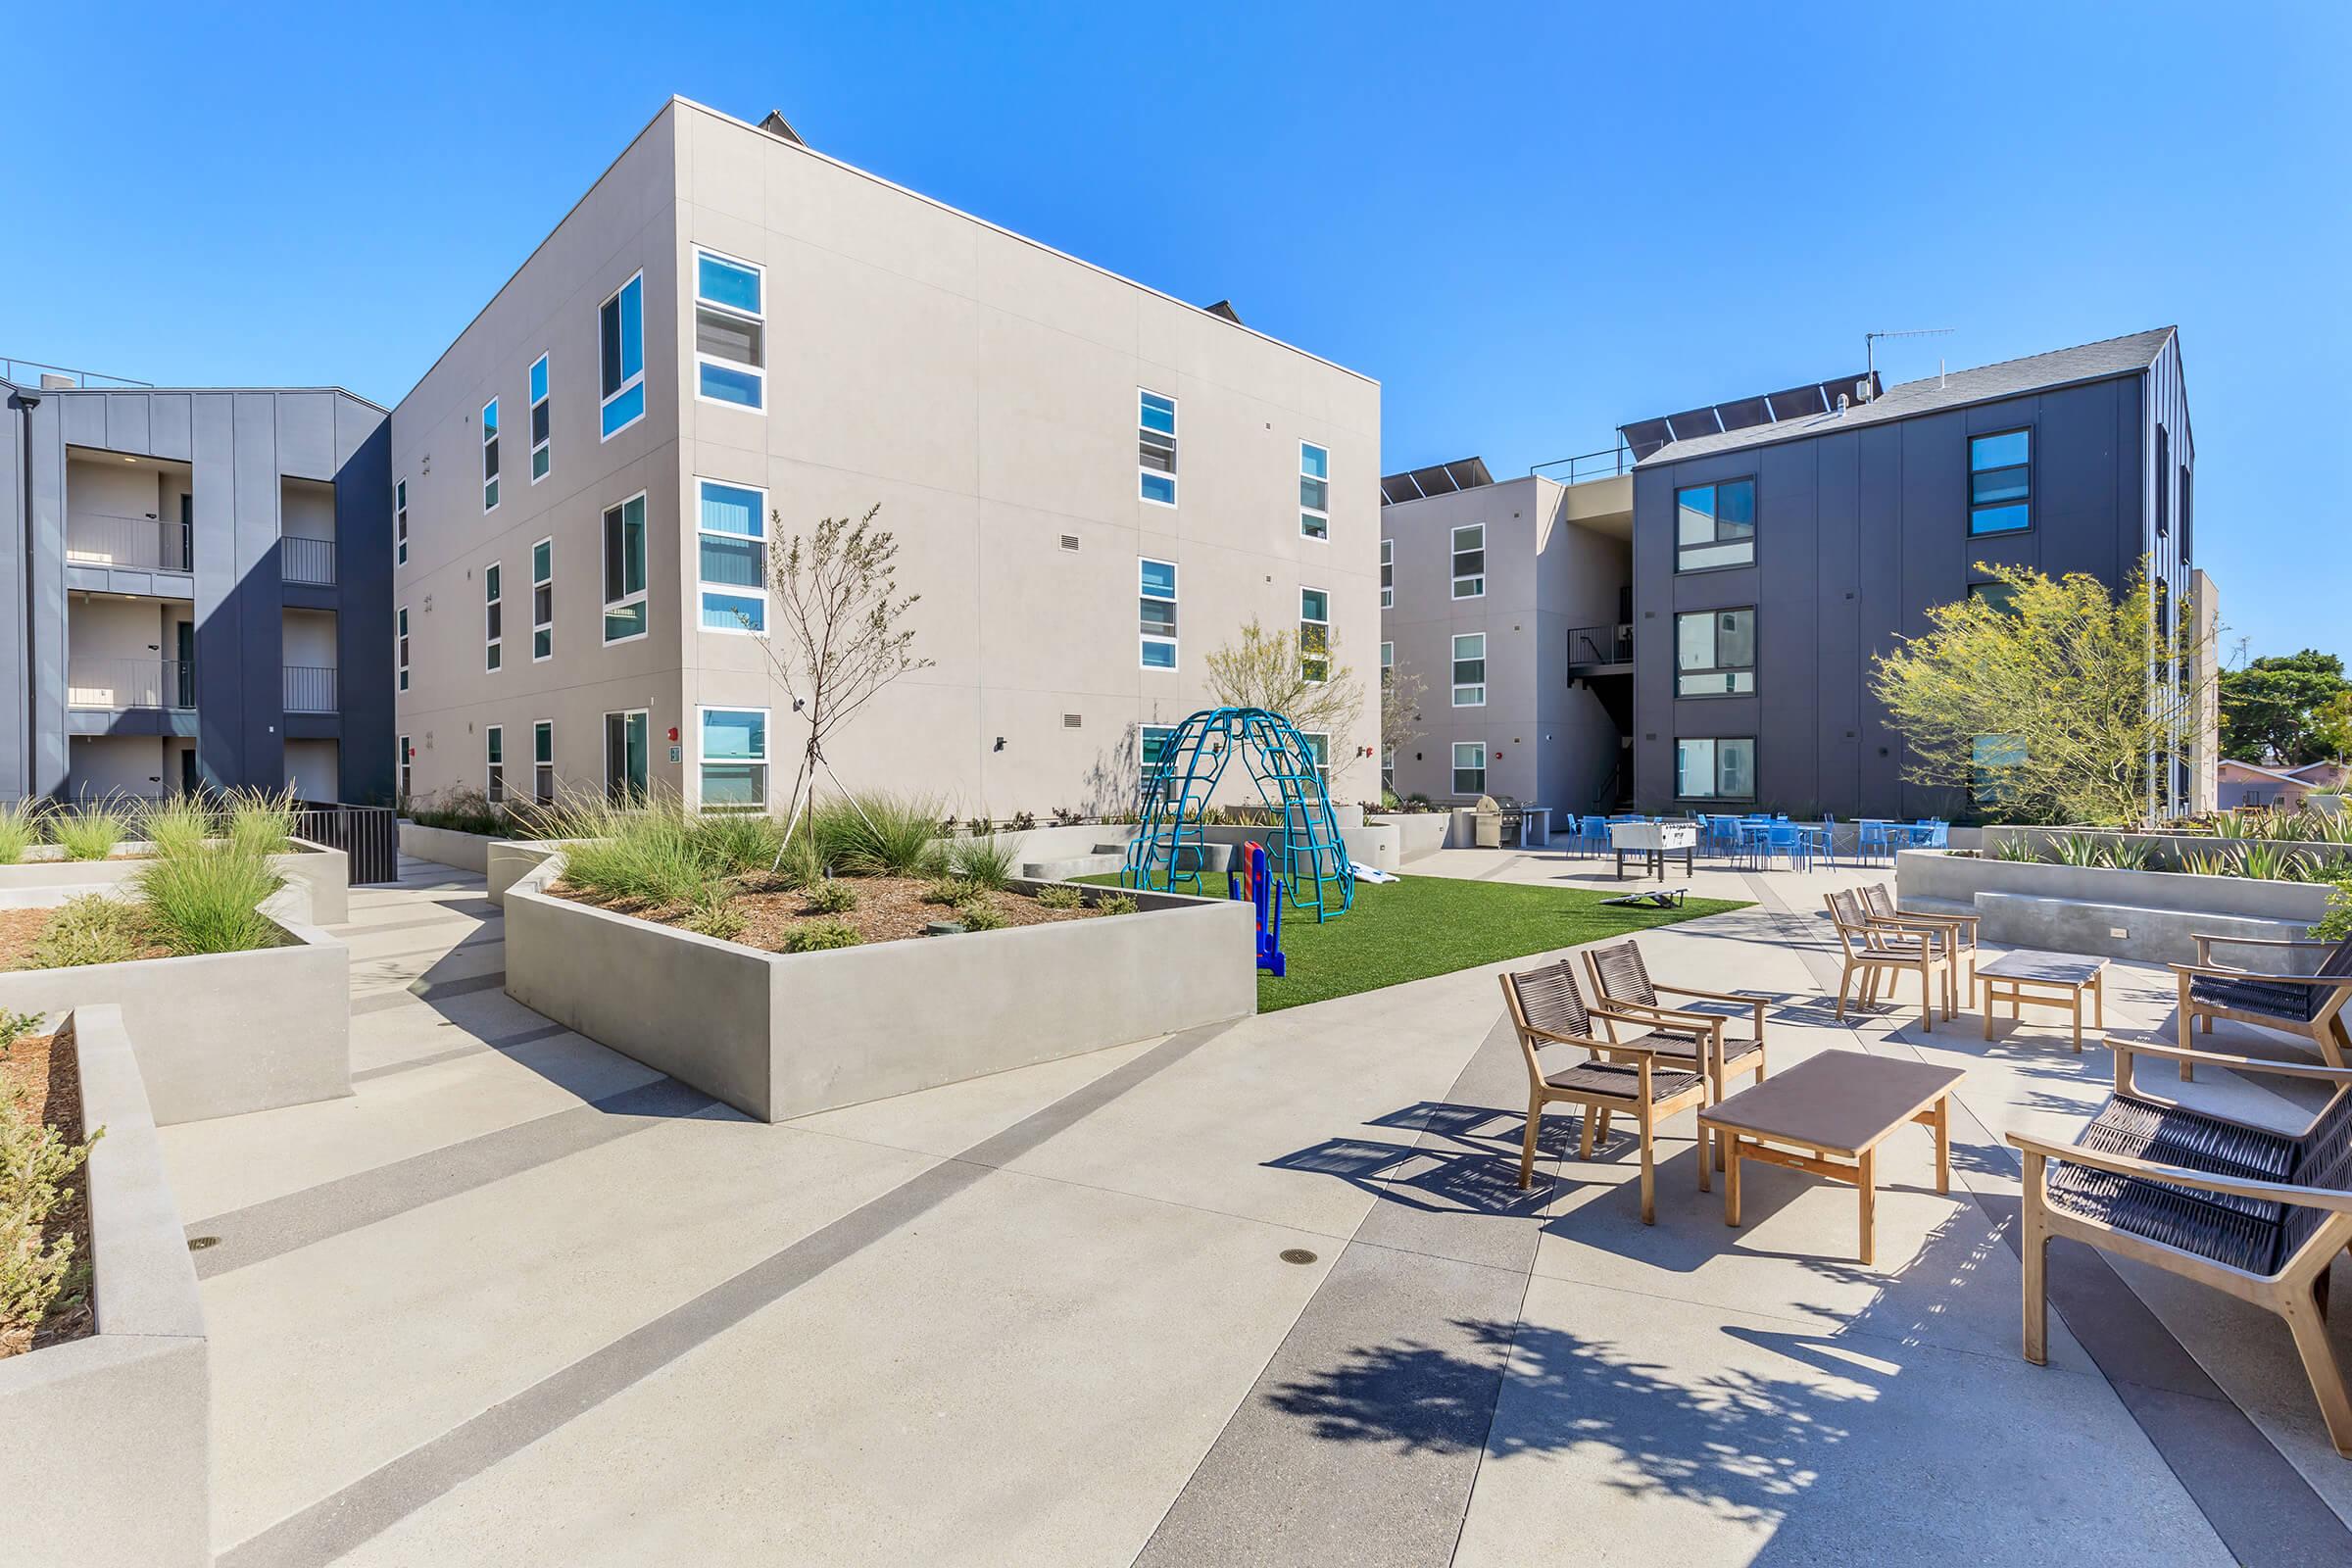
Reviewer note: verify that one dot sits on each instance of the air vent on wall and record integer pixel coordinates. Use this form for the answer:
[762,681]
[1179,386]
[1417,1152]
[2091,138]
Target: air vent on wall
[1069,541]
[1072,721]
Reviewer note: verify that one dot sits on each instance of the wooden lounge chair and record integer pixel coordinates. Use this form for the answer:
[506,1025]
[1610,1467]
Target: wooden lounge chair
[1700,1039]
[1880,904]
[2312,1006]
[2255,1213]
[1872,952]
[1630,1075]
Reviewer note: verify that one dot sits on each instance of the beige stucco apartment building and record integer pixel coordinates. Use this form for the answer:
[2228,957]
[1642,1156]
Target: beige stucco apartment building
[1093,485]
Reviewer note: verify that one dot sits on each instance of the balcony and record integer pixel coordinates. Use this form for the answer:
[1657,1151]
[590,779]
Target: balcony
[148,544]
[1601,649]
[307,561]
[310,689]
[120,685]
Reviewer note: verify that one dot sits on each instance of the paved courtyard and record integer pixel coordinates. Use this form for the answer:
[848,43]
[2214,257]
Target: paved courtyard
[1264,1293]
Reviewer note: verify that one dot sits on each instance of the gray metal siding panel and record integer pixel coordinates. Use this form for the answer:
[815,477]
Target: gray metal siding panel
[261,608]
[306,434]
[220,705]
[45,543]
[127,424]
[82,416]
[168,424]
[15,694]
[364,617]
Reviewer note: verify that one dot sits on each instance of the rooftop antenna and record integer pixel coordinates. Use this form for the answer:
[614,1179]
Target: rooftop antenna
[1870,344]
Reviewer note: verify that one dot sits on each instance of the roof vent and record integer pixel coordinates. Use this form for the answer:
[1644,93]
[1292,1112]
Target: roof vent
[775,124]
[1224,308]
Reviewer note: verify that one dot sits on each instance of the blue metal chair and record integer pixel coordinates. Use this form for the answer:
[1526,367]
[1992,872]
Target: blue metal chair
[1871,841]
[1791,839]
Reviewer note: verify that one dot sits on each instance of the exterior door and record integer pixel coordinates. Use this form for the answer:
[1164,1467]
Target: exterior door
[625,757]
[186,665]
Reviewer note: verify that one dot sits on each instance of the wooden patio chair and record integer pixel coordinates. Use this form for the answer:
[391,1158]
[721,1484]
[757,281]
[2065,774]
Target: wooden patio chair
[2312,1006]
[2251,1211]
[1701,1040]
[1959,930]
[1617,1075]
[1873,954]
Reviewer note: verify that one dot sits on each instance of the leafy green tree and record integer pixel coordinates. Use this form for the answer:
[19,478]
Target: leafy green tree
[2287,708]
[2040,700]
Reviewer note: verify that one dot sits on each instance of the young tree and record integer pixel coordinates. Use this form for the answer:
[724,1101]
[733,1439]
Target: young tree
[2044,701]
[1304,682]
[2284,709]
[839,637]
[1400,691]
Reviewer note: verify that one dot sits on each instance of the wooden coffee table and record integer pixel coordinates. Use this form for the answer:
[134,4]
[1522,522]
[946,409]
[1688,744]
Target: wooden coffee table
[2045,980]
[1828,1115]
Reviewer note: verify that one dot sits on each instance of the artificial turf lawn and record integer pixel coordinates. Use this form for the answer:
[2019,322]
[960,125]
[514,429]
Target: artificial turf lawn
[1424,925]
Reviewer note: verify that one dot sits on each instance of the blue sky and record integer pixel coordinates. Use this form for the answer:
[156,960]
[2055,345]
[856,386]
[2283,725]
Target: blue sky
[1532,223]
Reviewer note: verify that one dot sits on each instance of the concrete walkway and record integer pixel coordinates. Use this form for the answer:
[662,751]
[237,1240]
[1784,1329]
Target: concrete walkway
[1266,1292]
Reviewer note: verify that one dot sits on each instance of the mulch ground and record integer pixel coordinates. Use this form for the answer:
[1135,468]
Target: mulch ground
[20,929]
[42,1074]
[890,908]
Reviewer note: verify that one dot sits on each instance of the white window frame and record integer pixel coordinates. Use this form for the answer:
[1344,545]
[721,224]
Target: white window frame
[1453,542]
[1387,770]
[1173,598]
[402,774]
[546,582]
[1304,622]
[627,381]
[1323,764]
[1144,771]
[1387,665]
[547,795]
[490,433]
[605,742]
[642,595]
[702,585]
[1453,777]
[400,644]
[494,616]
[542,387]
[1142,433]
[1322,514]
[1388,574]
[400,522]
[759,318]
[494,763]
[1478,688]
[765,762]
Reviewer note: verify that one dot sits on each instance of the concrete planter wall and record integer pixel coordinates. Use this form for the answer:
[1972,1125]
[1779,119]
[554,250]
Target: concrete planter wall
[2167,849]
[510,859]
[783,1035]
[322,873]
[223,1033]
[1418,833]
[105,1441]
[465,852]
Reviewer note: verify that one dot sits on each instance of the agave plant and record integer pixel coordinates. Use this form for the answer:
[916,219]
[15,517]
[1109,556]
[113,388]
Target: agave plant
[2128,853]
[2077,849]
[2268,863]
[2013,847]
[2236,826]
[2209,862]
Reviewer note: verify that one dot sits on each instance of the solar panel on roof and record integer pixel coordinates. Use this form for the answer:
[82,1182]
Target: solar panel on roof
[1644,436]
[1743,413]
[1797,403]
[1694,422]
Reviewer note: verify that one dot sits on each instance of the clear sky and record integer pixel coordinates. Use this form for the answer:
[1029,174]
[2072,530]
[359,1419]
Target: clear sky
[1530,224]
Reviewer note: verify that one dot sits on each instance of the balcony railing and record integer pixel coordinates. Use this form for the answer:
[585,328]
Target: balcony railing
[310,560]
[1591,464]
[102,539]
[310,689]
[1600,645]
[29,373]
[119,684]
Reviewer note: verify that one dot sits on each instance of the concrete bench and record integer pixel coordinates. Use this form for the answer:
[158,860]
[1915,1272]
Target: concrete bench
[2080,925]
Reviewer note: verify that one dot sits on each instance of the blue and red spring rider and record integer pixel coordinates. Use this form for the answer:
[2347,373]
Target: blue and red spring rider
[1250,877]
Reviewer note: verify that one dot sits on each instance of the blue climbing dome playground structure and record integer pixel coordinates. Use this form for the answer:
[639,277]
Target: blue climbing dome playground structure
[1167,847]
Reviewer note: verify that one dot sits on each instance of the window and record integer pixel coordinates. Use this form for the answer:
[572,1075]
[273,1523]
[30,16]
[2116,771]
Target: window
[404,771]
[1314,636]
[494,747]
[1156,447]
[1156,591]
[1470,561]
[1469,768]
[490,456]
[625,616]
[2164,485]
[1717,770]
[2188,515]
[620,356]
[2000,486]
[543,600]
[734,755]
[1388,574]
[400,649]
[493,617]
[1387,665]
[730,334]
[625,757]
[1151,752]
[1387,771]
[1470,669]
[730,544]
[1314,491]
[1715,525]
[400,523]
[1715,654]
[543,761]
[1999,595]
[1318,747]
[1992,764]
[540,458]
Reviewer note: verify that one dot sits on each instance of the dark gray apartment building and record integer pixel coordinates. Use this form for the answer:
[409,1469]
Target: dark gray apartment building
[197,591]
[1779,542]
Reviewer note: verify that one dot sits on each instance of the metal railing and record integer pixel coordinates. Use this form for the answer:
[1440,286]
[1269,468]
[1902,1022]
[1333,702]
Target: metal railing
[302,560]
[310,689]
[115,685]
[1601,645]
[104,539]
[27,372]
[1585,466]
[369,835]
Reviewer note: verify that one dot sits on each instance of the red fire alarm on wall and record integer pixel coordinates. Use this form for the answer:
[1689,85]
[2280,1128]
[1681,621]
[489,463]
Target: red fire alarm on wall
[673,732]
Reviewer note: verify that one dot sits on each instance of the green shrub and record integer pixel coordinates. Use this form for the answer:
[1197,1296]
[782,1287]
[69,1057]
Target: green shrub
[871,834]
[737,843]
[804,864]
[831,896]
[89,835]
[90,929]
[36,1165]
[817,936]
[203,900]
[714,914]
[459,812]
[947,889]
[2337,922]
[652,856]
[1060,896]
[20,828]
[978,914]
[983,862]
[177,825]
[1116,903]
[263,824]
[15,1026]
